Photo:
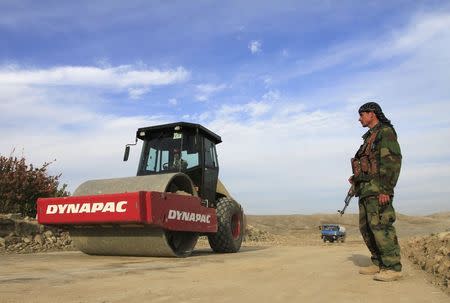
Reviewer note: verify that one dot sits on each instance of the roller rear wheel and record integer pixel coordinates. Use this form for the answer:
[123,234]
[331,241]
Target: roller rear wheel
[230,227]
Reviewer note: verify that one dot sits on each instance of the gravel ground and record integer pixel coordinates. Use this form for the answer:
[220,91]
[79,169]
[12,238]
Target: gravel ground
[430,253]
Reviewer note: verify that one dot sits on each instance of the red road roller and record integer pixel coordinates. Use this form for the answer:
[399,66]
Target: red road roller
[175,198]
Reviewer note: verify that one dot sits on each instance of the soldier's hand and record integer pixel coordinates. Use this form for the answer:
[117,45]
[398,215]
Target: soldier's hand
[350,180]
[383,199]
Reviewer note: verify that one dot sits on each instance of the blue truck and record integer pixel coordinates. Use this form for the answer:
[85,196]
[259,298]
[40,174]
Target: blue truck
[332,232]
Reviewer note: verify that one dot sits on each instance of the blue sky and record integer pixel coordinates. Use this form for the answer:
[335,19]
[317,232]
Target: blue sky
[280,82]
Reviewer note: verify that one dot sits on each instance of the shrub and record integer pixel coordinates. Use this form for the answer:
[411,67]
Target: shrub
[22,184]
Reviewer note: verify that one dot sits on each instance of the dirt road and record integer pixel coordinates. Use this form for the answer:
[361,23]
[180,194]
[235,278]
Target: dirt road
[324,273]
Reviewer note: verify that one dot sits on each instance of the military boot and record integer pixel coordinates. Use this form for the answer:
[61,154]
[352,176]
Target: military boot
[369,270]
[387,275]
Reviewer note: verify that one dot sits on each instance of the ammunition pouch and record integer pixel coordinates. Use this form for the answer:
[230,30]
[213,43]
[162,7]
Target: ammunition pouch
[362,178]
[356,167]
[362,169]
[365,163]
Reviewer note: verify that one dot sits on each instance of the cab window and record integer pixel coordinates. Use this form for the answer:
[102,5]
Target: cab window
[210,154]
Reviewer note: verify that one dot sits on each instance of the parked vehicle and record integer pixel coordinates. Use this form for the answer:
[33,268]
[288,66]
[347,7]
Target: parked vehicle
[332,232]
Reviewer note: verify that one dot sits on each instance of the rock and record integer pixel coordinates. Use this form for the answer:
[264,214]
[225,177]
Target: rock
[6,226]
[12,240]
[443,250]
[48,234]
[16,246]
[26,240]
[2,244]
[38,239]
[27,228]
[444,235]
[16,216]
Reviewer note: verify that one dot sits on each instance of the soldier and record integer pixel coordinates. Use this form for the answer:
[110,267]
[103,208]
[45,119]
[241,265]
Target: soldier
[376,168]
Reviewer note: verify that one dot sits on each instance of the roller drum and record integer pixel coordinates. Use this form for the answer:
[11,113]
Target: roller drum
[135,240]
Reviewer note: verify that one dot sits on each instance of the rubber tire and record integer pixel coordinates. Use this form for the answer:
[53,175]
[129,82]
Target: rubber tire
[223,241]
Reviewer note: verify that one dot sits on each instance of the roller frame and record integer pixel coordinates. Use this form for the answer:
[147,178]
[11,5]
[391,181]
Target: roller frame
[163,210]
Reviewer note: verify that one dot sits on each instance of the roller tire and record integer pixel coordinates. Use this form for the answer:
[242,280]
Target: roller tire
[230,227]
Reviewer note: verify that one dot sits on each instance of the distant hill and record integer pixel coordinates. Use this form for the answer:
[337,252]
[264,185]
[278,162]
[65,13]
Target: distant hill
[406,225]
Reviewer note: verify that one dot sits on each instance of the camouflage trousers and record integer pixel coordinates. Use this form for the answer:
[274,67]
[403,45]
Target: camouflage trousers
[375,224]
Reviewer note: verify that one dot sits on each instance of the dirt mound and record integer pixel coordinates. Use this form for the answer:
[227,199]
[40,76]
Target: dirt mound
[441,215]
[432,254]
[253,234]
[25,235]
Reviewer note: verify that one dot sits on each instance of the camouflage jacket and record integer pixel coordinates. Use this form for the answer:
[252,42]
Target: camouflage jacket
[388,161]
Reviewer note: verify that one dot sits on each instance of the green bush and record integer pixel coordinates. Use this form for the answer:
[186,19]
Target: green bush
[22,184]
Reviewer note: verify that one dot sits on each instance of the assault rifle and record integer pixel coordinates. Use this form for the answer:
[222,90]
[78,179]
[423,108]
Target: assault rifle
[350,194]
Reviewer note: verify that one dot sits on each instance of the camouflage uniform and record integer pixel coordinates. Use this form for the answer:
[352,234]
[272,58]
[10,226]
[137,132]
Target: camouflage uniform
[375,220]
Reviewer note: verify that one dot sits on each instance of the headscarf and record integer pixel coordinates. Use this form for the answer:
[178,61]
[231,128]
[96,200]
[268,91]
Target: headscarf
[376,109]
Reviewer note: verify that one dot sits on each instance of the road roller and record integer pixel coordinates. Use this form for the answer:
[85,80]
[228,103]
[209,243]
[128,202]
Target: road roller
[175,198]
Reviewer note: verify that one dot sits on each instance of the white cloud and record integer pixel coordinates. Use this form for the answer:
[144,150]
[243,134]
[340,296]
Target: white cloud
[205,91]
[278,155]
[254,46]
[86,144]
[103,62]
[272,95]
[267,81]
[57,113]
[137,93]
[124,77]
[296,160]
[421,32]
[203,116]
[173,101]
[252,109]
[202,98]
[283,161]
[257,108]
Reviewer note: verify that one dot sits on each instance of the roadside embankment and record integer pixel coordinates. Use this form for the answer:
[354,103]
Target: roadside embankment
[432,254]
[25,235]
